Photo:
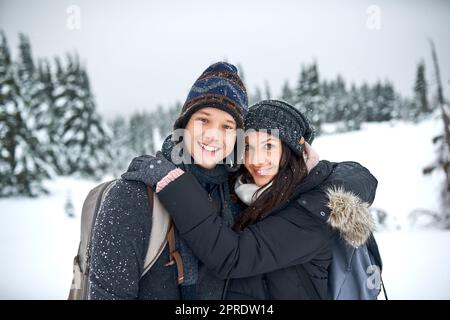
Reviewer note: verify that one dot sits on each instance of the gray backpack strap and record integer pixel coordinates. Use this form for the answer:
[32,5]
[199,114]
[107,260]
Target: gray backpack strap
[162,232]
[158,234]
[81,262]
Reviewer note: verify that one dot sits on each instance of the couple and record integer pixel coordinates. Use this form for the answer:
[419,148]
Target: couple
[263,230]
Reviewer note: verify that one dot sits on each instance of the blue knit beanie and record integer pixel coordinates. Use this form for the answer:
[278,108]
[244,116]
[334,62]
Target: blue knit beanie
[219,86]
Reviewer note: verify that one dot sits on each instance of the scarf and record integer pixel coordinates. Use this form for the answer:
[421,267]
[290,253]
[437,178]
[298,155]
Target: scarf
[248,192]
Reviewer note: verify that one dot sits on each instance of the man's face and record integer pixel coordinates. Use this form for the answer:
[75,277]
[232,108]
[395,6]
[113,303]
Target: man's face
[210,136]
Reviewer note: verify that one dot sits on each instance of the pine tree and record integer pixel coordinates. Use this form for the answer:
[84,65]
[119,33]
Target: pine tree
[329,96]
[389,101]
[163,119]
[367,101]
[48,118]
[267,92]
[404,107]
[23,163]
[241,72]
[121,152]
[60,96]
[442,141]
[309,96]
[384,102]
[342,99]
[8,115]
[141,127]
[353,111]
[335,100]
[302,89]
[26,68]
[287,94]
[420,103]
[256,97]
[80,131]
[94,154]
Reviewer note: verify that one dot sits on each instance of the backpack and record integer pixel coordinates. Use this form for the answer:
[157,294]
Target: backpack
[162,232]
[355,273]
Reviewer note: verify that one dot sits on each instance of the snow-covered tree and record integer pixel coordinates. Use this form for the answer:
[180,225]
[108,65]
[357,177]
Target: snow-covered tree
[353,111]
[442,141]
[23,158]
[267,93]
[141,127]
[287,94]
[309,96]
[47,117]
[388,108]
[335,98]
[35,85]
[8,118]
[163,119]
[420,103]
[241,72]
[256,97]
[120,147]
[80,131]
[384,102]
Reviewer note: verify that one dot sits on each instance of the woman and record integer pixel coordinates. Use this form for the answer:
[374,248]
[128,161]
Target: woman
[280,247]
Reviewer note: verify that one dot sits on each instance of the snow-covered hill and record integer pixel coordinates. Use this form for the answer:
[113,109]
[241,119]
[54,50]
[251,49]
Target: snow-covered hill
[38,241]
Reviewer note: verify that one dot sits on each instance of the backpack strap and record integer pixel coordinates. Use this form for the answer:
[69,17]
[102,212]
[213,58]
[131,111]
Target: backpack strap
[162,232]
[160,223]
[174,256]
[372,247]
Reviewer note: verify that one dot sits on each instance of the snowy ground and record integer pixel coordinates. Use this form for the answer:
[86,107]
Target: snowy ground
[38,241]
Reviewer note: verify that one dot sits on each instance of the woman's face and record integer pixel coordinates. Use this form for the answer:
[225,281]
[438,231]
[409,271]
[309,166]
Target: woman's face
[262,156]
[210,136]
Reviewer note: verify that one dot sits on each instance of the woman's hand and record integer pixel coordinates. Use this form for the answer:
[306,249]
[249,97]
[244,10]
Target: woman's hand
[149,169]
[311,157]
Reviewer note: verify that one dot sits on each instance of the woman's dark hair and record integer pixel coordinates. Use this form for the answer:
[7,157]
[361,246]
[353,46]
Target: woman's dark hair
[292,172]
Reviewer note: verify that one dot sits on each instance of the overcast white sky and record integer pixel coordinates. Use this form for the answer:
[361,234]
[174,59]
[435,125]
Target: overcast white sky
[143,53]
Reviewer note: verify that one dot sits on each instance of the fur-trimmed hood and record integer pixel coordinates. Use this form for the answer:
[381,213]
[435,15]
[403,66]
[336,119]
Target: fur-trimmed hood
[350,216]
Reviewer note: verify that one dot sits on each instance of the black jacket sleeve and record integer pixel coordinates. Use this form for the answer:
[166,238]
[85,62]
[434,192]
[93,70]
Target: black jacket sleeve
[348,175]
[287,238]
[119,242]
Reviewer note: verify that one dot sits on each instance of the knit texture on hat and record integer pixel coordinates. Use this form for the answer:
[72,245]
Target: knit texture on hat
[293,127]
[219,86]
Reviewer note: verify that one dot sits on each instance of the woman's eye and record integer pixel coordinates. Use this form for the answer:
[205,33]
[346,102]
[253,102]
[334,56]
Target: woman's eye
[268,146]
[226,127]
[203,120]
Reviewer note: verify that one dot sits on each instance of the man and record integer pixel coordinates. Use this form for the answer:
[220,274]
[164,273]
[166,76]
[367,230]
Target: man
[213,111]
